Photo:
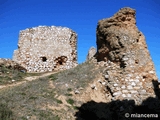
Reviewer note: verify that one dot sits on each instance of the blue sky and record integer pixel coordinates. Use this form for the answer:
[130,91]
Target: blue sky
[79,15]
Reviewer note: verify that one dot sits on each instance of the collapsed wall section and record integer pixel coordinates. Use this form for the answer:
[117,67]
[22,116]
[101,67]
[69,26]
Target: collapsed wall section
[129,72]
[46,48]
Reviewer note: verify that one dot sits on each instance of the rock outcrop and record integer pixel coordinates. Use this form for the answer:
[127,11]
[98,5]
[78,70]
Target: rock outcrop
[45,48]
[10,64]
[129,72]
[91,53]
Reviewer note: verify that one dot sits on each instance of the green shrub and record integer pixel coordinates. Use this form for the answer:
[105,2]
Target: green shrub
[68,94]
[69,89]
[70,101]
[52,77]
[75,107]
[59,101]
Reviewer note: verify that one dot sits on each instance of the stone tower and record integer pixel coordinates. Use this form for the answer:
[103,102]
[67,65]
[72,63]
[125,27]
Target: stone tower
[129,72]
[45,48]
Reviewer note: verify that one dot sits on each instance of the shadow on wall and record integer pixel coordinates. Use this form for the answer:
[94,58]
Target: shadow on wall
[122,110]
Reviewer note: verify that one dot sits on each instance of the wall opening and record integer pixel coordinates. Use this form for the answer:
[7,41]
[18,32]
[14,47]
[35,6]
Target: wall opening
[137,40]
[44,59]
[144,77]
[123,64]
[61,60]
[136,61]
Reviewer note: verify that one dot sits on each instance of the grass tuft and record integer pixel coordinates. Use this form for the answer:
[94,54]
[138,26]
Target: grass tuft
[52,77]
[59,101]
[5,112]
[69,89]
[68,94]
[70,101]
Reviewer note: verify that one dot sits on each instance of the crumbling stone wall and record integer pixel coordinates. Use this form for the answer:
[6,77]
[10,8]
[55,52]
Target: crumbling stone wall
[45,48]
[91,53]
[129,72]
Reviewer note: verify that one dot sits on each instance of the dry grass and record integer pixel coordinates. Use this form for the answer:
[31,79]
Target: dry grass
[9,75]
[75,78]
[30,100]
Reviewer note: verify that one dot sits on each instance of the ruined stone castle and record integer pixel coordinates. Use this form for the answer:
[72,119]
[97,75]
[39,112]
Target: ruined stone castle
[121,47]
[45,48]
[129,71]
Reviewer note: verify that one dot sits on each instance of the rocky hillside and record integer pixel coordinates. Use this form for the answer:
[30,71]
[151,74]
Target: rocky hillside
[79,93]
[55,97]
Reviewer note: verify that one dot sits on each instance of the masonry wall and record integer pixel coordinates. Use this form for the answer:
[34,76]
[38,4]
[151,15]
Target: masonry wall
[45,48]
[129,71]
